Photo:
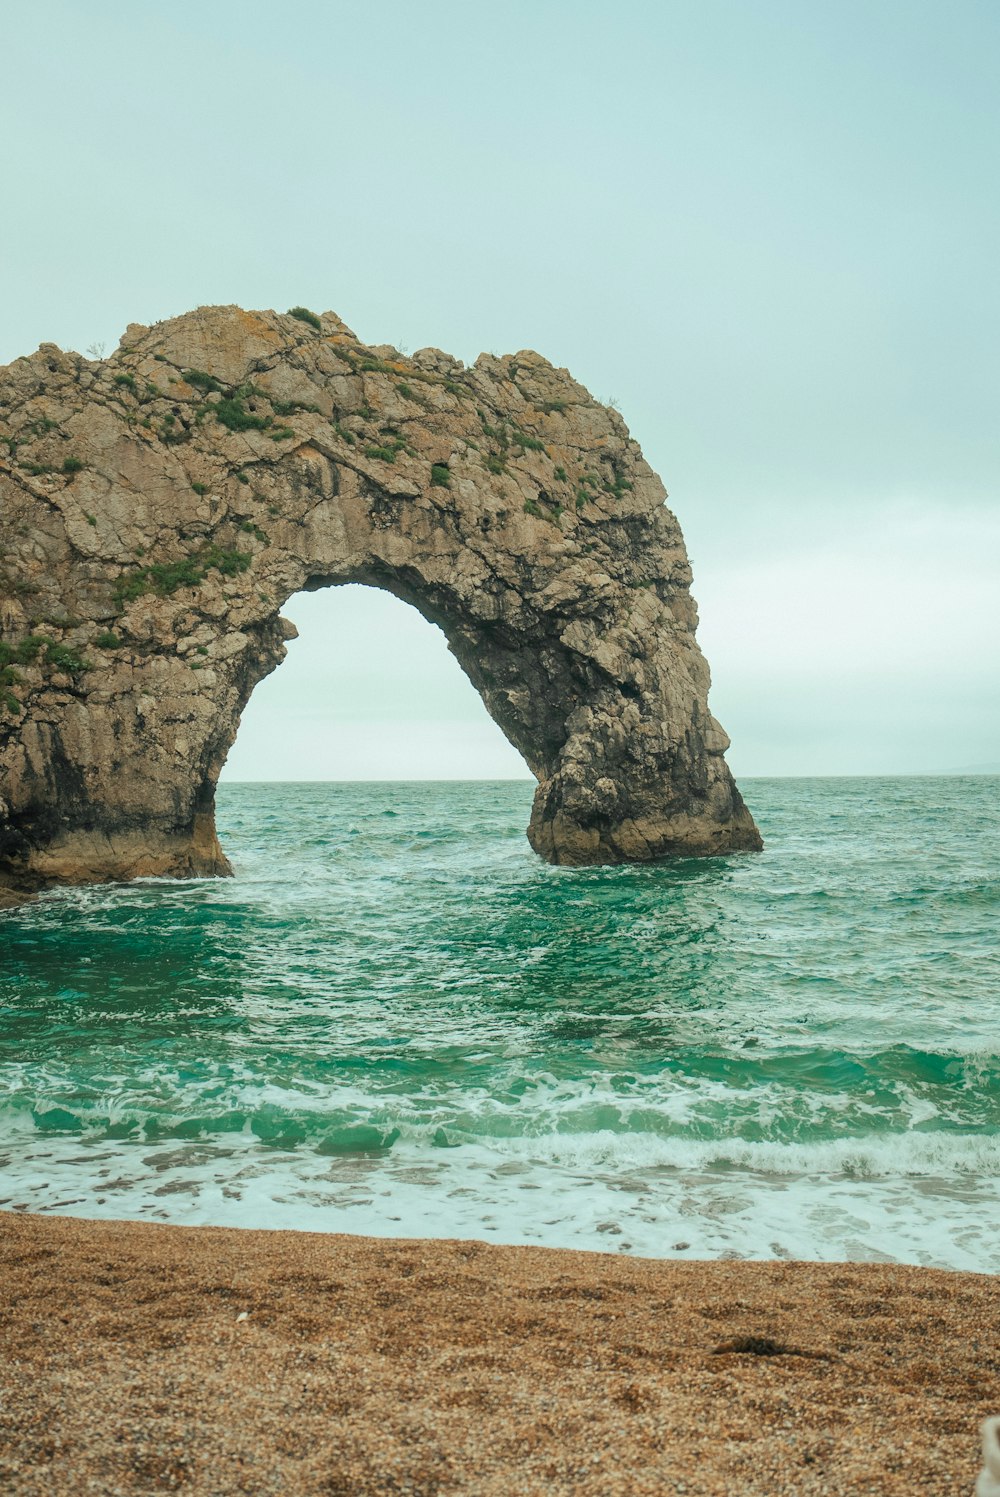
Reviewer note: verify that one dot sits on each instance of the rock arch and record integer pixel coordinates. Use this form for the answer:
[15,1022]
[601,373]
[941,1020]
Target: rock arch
[159,507]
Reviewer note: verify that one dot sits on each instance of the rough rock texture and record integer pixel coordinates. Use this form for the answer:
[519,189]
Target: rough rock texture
[158,508]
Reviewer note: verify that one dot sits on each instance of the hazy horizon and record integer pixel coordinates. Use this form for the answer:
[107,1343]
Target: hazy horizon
[944,774]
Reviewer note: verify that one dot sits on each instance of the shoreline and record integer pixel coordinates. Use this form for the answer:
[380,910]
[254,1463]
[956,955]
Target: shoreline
[139,1357]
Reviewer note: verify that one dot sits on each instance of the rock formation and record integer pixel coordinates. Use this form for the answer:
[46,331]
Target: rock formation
[157,509]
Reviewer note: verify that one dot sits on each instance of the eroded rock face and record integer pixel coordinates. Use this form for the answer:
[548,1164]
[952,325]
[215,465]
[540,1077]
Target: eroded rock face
[159,507]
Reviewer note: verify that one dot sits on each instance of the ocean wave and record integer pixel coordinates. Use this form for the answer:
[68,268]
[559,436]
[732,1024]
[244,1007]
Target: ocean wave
[408,1023]
[597,1140]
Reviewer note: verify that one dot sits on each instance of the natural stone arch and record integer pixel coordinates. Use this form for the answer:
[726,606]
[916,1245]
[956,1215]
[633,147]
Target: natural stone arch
[158,509]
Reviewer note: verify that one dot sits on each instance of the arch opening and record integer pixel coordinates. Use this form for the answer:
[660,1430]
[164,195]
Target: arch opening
[368,691]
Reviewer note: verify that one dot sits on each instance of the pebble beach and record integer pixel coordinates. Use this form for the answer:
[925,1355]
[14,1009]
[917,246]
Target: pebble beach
[141,1358]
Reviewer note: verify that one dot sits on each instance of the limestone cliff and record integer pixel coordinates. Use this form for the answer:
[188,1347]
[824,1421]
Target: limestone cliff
[158,508]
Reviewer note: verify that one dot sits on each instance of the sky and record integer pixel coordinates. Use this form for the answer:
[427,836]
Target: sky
[769,229]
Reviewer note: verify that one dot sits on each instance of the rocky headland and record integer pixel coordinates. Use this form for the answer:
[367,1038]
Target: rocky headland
[158,507]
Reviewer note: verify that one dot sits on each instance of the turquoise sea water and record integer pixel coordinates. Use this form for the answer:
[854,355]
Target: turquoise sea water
[397,1020]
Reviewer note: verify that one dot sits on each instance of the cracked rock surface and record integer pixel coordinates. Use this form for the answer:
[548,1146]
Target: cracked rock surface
[157,508]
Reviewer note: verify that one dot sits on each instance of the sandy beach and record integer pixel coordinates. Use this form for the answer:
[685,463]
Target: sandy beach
[142,1359]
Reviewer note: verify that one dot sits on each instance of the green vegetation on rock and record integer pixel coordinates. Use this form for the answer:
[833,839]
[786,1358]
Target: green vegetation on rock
[199,380]
[233,413]
[289,407]
[34,649]
[304,315]
[63,658]
[25,652]
[543,508]
[165,577]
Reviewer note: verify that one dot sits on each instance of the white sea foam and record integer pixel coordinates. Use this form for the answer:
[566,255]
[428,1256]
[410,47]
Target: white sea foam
[913,1199]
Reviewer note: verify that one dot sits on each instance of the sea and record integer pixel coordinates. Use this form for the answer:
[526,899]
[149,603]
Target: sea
[396,1020]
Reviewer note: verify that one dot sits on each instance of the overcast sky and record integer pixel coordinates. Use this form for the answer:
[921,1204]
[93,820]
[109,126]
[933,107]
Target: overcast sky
[769,228]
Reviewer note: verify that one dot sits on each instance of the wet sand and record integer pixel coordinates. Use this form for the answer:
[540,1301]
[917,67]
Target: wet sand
[144,1359]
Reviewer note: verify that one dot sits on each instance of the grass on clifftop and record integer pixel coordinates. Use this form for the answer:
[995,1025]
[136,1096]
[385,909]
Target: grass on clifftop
[304,315]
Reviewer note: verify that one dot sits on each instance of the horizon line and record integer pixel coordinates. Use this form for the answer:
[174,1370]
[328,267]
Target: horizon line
[909,774]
